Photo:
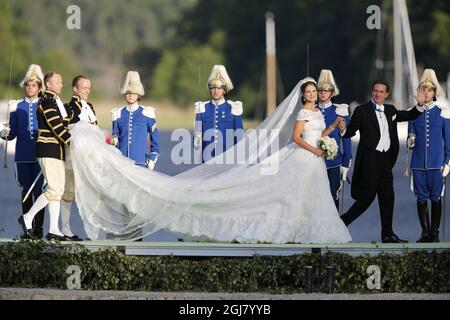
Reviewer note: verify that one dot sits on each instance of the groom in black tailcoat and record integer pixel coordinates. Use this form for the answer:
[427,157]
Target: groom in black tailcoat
[376,156]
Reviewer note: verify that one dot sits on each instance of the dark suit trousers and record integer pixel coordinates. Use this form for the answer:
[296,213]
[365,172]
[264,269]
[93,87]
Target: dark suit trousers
[373,178]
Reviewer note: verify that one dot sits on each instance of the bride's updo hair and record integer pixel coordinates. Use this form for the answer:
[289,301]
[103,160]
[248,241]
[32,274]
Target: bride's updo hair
[303,88]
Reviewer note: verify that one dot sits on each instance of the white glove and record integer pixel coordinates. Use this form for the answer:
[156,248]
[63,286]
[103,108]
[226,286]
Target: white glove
[114,141]
[4,131]
[151,164]
[411,142]
[198,140]
[445,170]
[344,171]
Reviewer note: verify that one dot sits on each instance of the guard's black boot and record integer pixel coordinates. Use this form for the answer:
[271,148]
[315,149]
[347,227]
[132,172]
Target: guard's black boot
[27,233]
[38,223]
[422,210]
[436,210]
[38,232]
[26,206]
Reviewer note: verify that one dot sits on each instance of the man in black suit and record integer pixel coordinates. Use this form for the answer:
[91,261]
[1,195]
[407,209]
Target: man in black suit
[376,156]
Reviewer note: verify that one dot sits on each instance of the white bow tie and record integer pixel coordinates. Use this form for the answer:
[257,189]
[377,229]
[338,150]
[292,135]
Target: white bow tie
[379,108]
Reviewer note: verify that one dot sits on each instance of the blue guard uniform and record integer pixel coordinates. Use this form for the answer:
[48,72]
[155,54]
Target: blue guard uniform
[24,127]
[344,155]
[430,132]
[341,163]
[213,120]
[431,151]
[132,126]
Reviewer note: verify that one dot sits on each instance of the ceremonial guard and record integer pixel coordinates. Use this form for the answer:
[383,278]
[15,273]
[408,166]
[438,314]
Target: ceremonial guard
[78,109]
[53,135]
[429,139]
[338,167]
[218,122]
[23,126]
[133,123]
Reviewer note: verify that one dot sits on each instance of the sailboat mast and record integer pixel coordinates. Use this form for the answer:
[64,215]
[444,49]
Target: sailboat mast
[271,63]
[398,61]
[404,58]
[410,56]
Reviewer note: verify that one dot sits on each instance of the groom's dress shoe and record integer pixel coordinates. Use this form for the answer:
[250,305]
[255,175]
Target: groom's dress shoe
[52,236]
[392,239]
[72,238]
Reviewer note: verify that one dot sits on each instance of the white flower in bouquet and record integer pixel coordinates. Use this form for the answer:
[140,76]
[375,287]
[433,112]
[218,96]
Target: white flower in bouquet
[329,147]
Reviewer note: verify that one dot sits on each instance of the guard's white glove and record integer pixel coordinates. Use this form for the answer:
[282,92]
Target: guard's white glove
[151,164]
[4,131]
[344,172]
[114,141]
[198,140]
[411,142]
[445,170]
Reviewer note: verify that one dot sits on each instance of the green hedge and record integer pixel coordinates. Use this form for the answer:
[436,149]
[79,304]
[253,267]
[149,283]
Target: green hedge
[43,265]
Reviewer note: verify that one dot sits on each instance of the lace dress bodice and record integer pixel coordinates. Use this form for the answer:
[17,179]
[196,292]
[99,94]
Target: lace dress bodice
[315,124]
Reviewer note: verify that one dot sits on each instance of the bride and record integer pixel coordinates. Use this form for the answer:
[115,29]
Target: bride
[216,202]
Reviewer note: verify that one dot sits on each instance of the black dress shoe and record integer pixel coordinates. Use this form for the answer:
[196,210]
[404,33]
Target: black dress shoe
[38,232]
[22,224]
[52,236]
[25,236]
[28,235]
[392,239]
[72,238]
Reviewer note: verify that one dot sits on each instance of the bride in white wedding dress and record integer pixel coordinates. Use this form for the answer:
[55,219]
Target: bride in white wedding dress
[214,202]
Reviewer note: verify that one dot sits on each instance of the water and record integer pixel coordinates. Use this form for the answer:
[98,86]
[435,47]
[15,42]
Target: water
[366,228]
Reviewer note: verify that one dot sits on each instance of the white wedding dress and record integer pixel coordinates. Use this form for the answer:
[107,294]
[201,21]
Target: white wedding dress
[214,203]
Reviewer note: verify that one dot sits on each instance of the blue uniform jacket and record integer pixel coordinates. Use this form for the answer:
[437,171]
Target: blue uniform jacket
[132,129]
[213,119]
[24,127]
[432,142]
[344,155]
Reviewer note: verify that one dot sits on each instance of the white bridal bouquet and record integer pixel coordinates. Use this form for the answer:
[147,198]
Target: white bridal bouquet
[329,146]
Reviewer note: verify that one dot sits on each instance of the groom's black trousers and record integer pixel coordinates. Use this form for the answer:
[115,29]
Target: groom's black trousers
[373,178]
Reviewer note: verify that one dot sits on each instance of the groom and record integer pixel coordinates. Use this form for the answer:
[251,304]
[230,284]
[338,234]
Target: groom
[376,156]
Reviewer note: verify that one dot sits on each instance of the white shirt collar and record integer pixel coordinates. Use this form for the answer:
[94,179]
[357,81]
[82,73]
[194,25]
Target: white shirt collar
[33,100]
[219,102]
[325,105]
[132,108]
[431,105]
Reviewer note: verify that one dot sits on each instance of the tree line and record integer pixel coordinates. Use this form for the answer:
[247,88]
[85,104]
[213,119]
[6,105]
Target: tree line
[174,43]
